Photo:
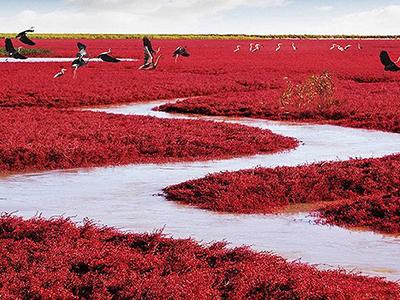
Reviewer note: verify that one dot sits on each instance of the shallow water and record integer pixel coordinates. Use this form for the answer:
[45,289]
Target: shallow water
[127,197]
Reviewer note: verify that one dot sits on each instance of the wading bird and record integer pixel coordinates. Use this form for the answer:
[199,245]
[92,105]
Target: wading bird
[22,36]
[257,47]
[82,50]
[294,47]
[278,48]
[105,56]
[251,47]
[11,50]
[77,63]
[359,46]
[61,73]
[333,47]
[180,51]
[388,63]
[237,49]
[149,63]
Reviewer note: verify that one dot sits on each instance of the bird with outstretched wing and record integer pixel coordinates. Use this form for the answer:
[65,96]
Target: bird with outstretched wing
[11,51]
[387,62]
[22,36]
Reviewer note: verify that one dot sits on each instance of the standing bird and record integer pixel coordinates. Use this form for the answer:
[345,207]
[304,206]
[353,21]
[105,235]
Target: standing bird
[333,46]
[347,47]
[11,50]
[105,56]
[180,51]
[278,48]
[257,47]
[22,36]
[294,47]
[237,49]
[61,73]
[251,47]
[359,46]
[149,62]
[388,63]
[82,50]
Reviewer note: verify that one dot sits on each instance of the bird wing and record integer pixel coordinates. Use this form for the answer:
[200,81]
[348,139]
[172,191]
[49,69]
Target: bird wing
[148,58]
[18,55]
[24,39]
[387,62]
[81,46]
[184,53]
[108,58]
[176,52]
[147,44]
[9,46]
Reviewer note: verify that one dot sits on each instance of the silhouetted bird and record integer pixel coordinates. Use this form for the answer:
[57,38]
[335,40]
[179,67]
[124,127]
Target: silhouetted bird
[22,36]
[105,56]
[388,63]
[11,50]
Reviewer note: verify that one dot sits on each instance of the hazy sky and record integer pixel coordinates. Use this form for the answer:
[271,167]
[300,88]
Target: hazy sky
[202,16]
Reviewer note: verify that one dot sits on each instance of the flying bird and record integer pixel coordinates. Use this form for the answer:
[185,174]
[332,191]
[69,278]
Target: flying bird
[105,56]
[61,73]
[82,50]
[180,51]
[11,50]
[294,46]
[77,63]
[388,63]
[237,49]
[278,48]
[149,53]
[22,36]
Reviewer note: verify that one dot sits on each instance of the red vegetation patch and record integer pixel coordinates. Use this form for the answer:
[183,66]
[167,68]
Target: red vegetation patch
[34,138]
[266,190]
[380,213]
[57,259]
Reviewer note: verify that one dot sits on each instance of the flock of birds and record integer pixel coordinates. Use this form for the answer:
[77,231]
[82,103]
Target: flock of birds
[150,61]
[151,58]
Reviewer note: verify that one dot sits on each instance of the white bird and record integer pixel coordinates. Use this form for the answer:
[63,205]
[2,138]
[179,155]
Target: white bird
[61,73]
[257,47]
[251,47]
[333,47]
[340,48]
[237,49]
[359,46]
[294,46]
[278,48]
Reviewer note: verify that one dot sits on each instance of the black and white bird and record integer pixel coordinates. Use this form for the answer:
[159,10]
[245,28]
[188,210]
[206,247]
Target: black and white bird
[22,36]
[77,63]
[388,63]
[180,51]
[12,52]
[82,50]
[61,73]
[149,52]
[105,56]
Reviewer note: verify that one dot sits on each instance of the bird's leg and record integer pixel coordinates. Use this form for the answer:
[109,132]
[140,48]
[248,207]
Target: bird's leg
[176,58]
[75,73]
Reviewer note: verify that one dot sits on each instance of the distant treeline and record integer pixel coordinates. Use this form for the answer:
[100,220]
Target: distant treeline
[198,36]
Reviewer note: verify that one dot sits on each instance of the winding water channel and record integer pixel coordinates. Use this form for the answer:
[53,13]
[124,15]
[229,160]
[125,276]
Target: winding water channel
[128,197]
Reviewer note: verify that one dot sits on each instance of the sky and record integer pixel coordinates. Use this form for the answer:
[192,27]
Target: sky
[202,16]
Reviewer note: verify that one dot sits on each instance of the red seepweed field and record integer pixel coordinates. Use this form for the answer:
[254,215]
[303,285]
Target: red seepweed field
[42,128]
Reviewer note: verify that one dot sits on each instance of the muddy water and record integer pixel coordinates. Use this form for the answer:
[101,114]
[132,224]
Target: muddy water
[127,197]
